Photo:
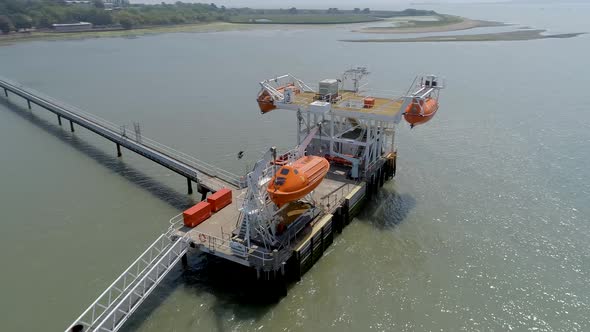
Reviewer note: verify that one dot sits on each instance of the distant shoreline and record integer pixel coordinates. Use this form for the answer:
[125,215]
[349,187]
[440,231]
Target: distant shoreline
[517,35]
[444,24]
[108,33]
[24,17]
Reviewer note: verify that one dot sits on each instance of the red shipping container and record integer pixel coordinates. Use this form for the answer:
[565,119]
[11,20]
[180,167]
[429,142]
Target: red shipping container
[197,214]
[220,199]
[369,102]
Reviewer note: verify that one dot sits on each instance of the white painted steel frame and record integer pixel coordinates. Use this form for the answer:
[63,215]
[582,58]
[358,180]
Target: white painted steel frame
[137,279]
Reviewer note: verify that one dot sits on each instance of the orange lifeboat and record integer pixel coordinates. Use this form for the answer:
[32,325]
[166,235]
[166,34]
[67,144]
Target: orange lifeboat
[265,102]
[419,112]
[298,179]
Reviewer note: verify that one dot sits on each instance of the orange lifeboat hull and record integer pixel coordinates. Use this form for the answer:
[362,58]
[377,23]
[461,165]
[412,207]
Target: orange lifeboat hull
[416,115]
[294,181]
[265,102]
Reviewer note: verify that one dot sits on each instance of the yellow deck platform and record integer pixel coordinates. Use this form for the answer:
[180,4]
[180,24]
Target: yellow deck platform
[383,106]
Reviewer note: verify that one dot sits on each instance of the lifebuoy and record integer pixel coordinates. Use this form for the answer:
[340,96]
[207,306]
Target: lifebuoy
[202,237]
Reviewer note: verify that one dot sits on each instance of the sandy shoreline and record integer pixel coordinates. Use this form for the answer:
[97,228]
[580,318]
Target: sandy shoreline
[500,36]
[465,24]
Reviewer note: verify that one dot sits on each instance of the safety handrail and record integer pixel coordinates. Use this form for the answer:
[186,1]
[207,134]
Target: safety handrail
[202,166]
[145,286]
[333,199]
[118,287]
[214,243]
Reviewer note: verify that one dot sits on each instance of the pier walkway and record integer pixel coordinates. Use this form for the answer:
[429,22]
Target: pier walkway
[116,304]
[208,177]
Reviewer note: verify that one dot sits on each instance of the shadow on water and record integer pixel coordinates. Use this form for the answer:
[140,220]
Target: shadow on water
[234,290]
[228,291]
[387,209]
[154,187]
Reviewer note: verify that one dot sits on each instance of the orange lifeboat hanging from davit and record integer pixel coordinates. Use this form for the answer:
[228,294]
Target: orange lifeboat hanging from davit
[423,101]
[265,102]
[298,179]
[420,111]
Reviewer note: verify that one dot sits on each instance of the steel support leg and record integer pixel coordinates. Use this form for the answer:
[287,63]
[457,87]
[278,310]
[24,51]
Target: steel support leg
[59,119]
[71,126]
[29,103]
[190,186]
[119,154]
[184,261]
[6,93]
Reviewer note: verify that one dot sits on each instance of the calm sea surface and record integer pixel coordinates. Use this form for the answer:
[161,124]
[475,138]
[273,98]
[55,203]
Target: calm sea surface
[486,227]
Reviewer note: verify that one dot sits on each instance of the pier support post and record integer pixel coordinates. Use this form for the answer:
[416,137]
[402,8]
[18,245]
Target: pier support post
[375,183]
[71,126]
[190,186]
[6,92]
[184,261]
[29,103]
[337,220]
[119,154]
[346,212]
[298,267]
[59,119]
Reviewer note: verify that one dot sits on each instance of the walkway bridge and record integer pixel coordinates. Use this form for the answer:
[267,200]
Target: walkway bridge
[207,177]
[116,304]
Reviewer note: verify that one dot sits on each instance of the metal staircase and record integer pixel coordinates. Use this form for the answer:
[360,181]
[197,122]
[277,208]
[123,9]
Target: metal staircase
[116,304]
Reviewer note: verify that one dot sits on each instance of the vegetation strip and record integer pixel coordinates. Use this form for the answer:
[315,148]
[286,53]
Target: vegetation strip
[18,15]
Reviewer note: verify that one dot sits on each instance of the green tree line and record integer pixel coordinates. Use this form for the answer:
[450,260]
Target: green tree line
[25,14]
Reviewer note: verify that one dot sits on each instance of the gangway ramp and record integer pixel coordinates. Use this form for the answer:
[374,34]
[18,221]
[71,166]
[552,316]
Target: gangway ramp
[115,305]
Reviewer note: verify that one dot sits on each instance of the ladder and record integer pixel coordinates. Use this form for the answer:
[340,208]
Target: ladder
[116,304]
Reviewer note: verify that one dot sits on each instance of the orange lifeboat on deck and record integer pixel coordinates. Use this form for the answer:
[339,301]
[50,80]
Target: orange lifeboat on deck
[420,111]
[297,179]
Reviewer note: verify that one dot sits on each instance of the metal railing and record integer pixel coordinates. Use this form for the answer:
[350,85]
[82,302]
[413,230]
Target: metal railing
[127,283]
[182,157]
[214,243]
[329,201]
[119,314]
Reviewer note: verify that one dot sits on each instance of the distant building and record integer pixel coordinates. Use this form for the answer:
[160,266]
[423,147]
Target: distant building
[77,2]
[72,26]
[115,3]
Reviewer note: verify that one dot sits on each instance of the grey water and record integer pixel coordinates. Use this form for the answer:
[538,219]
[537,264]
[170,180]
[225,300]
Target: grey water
[485,227]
